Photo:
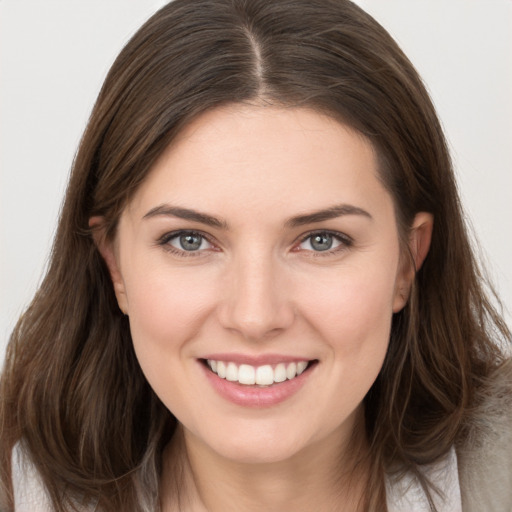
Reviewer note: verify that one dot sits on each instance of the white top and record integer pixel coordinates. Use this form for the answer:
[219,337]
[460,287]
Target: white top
[408,496]
[405,496]
[29,495]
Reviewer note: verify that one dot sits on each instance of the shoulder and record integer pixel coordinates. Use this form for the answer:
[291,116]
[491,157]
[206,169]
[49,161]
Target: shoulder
[485,450]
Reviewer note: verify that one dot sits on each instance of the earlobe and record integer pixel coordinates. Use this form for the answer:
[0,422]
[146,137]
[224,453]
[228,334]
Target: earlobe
[107,250]
[420,237]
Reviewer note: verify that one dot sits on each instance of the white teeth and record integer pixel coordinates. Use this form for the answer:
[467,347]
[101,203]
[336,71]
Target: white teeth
[301,367]
[246,374]
[291,371]
[264,375]
[280,373]
[232,372]
[221,369]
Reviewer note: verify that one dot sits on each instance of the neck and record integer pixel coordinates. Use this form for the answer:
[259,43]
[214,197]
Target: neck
[327,476]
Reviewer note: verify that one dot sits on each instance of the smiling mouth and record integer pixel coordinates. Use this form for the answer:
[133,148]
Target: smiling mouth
[264,376]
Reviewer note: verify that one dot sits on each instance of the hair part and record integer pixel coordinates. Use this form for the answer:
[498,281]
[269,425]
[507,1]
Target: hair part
[72,390]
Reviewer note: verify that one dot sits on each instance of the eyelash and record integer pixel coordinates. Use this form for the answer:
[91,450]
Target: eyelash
[164,241]
[344,240]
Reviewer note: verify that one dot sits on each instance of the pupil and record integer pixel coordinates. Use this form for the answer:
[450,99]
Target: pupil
[190,242]
[321,242]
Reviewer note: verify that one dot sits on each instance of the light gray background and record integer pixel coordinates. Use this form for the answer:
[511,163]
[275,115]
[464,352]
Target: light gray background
[54,55]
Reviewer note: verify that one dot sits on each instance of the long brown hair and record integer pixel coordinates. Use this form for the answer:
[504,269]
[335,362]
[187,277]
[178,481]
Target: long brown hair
[72,393]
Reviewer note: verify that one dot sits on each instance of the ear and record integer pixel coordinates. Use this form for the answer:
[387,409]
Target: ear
[420,236]
[107,250]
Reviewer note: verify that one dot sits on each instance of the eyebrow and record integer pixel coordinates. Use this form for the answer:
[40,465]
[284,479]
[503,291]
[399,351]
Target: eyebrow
[299,220]
[329,213]
[187,214]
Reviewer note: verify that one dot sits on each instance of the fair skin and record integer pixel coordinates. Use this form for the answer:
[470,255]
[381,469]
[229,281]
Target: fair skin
[258,281]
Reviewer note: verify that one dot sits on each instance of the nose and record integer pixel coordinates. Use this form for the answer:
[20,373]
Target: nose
[256,303]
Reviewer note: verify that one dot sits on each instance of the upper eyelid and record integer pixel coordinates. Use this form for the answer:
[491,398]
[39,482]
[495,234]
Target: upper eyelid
[173,234]
[337,234]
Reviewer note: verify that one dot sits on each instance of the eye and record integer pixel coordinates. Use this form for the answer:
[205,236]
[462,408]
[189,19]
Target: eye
[322,241]
[185,241]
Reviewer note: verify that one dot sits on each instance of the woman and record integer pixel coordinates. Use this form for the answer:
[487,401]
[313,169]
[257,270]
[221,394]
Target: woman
[261,295]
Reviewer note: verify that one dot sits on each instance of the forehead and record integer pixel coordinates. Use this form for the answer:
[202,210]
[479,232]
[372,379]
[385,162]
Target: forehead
[239,156]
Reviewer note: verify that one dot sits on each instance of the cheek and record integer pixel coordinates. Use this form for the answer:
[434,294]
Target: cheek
[354,306]
[352,314]
[166,309]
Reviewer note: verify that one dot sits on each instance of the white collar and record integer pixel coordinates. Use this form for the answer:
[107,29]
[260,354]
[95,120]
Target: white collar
[407,495]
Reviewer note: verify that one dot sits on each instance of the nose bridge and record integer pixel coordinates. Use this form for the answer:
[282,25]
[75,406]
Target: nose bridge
[256,302]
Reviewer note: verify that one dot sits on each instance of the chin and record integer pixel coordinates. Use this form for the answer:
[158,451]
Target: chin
[257,446]
[259,453]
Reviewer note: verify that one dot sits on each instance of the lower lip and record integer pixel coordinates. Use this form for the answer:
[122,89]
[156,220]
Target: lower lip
[254,396]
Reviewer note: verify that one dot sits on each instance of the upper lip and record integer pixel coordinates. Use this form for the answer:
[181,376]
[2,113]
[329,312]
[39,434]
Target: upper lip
[256,360]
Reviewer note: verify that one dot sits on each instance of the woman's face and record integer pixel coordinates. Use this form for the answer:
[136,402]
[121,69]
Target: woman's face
[262,242]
